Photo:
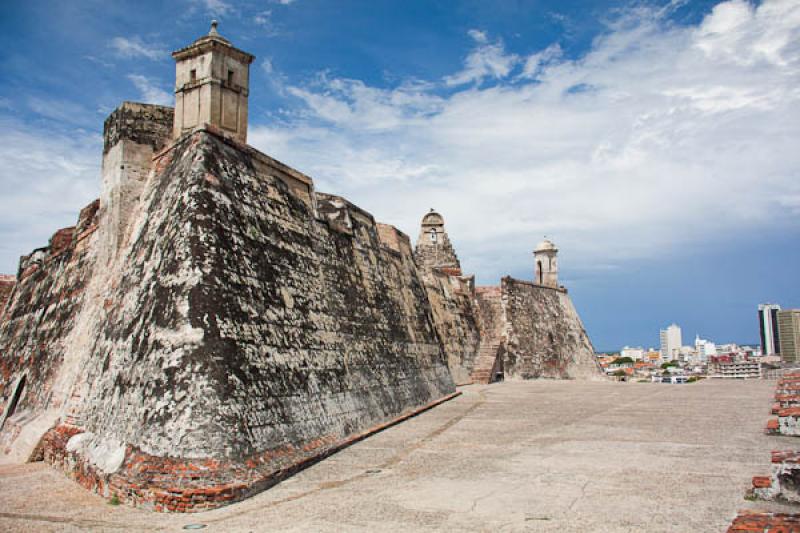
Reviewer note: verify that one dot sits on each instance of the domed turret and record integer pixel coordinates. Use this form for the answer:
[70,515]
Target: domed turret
[546,245]
[545,256]
[433,246]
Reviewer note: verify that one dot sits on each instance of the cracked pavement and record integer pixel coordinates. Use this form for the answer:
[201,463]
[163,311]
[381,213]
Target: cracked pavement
[514,456]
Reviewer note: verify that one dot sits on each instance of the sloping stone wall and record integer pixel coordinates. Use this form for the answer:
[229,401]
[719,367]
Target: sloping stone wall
[456,320]
[37,324]
[545,337]
[243,328]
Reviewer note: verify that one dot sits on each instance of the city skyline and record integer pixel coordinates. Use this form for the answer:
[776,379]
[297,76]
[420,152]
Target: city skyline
[579,121]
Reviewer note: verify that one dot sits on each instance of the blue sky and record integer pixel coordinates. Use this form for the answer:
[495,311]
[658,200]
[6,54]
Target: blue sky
[654,142]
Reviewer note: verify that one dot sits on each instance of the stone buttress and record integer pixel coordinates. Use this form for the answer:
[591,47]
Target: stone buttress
[248,327]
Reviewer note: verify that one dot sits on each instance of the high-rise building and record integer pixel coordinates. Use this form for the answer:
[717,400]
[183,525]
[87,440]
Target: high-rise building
[768,326]
[670,342]
[789,335]
[704,348]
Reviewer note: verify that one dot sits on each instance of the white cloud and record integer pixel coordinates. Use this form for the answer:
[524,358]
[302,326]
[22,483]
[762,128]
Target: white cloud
[264,18]
[134,47]
[534,63]
[486,60]
[150,92]
[214,7]
[658,138]
[47,177]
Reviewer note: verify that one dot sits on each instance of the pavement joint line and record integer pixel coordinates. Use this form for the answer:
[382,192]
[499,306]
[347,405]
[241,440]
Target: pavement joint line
[81,522]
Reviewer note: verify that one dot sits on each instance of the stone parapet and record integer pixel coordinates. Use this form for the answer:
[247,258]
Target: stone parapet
[143,124]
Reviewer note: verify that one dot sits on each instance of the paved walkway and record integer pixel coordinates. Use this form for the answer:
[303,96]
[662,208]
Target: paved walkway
[521,456]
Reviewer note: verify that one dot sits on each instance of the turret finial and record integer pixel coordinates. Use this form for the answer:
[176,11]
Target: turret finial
[213,30]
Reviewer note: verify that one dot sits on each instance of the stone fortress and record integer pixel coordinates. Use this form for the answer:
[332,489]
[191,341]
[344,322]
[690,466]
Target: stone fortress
[212,323]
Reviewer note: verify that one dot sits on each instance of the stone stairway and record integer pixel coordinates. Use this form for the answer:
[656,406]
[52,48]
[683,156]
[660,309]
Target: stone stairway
[490,308]
[484,369]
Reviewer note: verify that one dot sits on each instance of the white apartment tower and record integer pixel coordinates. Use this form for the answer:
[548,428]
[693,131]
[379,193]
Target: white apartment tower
[768,328]
[670,342]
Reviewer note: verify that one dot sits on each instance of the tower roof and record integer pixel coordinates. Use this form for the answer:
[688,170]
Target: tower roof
[546,246]
[209,42]
[432,218]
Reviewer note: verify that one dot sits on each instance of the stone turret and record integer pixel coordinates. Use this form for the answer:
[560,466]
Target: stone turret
[546,258]
[212,80]
[433,246]
[132,134]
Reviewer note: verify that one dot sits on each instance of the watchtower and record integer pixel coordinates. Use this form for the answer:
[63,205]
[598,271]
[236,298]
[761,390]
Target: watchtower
[546,257]
[212,80]
[433,246]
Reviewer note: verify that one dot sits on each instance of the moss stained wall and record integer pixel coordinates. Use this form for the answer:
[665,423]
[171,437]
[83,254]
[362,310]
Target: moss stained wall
[241,322]
[39,318]
[544,336]
[456,319]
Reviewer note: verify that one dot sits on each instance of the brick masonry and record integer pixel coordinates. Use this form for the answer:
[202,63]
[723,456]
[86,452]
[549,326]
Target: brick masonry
[752,522]
[784,479]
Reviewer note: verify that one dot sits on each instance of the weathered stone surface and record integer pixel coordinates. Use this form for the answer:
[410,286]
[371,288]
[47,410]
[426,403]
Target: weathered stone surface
[488,365]
[544,337]
[238,335]
[783,483]
[519,330]
[7,283]
[451,296]
[37,333]
[455,317]
[144,124]
[434,249]
[132,134]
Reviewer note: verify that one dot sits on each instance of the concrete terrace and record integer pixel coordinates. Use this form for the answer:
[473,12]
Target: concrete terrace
[515,456]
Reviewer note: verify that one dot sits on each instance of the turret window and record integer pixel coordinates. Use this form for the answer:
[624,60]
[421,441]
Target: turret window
[433,236]
[193,76]
[230,77]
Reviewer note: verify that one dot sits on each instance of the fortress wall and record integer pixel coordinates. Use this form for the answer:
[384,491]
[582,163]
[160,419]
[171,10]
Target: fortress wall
[455,318]
[36,328]
[545,337]
[132,134]
[244,336]
[7,283]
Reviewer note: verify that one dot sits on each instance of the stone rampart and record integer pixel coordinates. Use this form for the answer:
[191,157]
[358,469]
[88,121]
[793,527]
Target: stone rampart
[544,336]
[35,333]
[132,134]
[243,334]
[456,320]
